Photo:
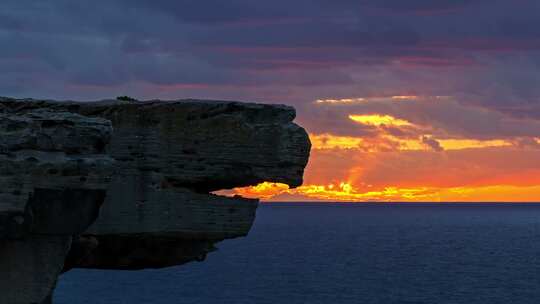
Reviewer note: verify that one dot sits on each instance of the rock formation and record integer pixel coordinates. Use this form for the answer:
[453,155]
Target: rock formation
[127,185]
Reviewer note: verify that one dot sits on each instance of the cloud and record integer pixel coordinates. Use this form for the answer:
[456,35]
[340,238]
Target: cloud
[423,7]
[276,51]
[459,168]
[432,143]
[441,117]
[484,174]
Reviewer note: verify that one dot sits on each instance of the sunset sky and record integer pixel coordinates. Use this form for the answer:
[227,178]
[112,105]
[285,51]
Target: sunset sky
[416,100]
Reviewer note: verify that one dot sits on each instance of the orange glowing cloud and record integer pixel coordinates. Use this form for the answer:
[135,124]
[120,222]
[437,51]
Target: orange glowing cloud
[379,120]
[396,152]
[341,101]
[329,142]
[345,192]
[264,190]
[393,98]
[459,144]
[404,97]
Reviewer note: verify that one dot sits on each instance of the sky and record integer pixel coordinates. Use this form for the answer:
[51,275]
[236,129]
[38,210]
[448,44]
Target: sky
[417,100]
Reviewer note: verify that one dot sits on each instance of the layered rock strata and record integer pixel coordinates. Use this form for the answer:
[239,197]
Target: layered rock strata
[153,166]
[54,174]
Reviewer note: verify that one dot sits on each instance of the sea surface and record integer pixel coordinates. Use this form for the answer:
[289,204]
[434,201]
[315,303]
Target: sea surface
[347,253]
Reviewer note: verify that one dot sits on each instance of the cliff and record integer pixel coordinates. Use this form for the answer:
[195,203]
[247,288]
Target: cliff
[127,185]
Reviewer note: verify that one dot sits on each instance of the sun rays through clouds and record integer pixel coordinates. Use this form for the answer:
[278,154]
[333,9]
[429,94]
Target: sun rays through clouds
[414,149]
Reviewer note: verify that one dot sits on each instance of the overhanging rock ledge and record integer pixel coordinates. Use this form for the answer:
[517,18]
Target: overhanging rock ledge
[127,185]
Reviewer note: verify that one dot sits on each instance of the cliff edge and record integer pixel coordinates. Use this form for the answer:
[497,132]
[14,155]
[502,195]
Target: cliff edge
[128,185]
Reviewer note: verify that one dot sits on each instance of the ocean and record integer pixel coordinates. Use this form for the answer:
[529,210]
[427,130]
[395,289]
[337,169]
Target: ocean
[347,253]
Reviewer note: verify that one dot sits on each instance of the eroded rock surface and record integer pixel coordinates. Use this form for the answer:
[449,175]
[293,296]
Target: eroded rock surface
[53,180]
[165,158]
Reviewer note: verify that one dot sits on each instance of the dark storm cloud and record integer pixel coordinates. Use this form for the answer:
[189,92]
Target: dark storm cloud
[424,5]
[485,52]
[443,118]
[321,120]
[220,12]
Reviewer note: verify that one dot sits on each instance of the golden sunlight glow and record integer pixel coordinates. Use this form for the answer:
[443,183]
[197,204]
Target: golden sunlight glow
[422,194]
[390,150]
[379,120]
[342,191]
[338,101]
[394,98]
[405,97]
[449,144]
[459,144]
[345,192]
[328,141]
[264,190]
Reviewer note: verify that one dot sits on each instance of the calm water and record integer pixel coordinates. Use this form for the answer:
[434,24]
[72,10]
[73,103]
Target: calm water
[347,254]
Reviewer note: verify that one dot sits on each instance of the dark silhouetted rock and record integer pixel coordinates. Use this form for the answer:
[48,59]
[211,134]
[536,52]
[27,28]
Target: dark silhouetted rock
[53,179]
[151,166]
